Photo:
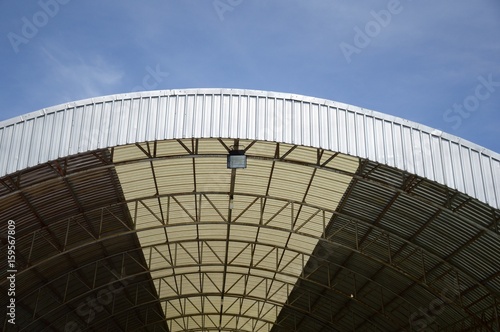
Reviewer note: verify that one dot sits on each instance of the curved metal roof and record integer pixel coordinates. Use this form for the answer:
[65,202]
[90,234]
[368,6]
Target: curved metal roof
[345,219]
[176,114]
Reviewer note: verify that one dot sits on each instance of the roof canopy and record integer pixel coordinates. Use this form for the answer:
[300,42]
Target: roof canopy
[344,219]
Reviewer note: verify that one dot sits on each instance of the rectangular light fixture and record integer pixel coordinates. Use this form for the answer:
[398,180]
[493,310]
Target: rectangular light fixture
[236,159]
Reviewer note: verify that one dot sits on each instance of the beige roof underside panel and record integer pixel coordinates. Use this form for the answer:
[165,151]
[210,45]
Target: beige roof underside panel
[187,226]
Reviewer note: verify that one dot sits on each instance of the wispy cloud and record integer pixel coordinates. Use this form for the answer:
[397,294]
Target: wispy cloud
[77,76]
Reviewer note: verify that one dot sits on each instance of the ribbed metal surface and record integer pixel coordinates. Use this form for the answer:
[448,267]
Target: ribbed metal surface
[103,122]
[154,213]
[57,215]
[199,238]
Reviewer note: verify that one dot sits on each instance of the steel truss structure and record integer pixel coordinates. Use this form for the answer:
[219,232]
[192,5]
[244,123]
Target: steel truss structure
[344,220]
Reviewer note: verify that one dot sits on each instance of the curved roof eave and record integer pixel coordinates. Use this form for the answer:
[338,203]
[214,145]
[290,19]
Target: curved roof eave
[62,130]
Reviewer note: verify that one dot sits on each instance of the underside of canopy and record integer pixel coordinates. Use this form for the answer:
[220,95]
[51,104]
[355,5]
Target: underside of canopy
[127,218]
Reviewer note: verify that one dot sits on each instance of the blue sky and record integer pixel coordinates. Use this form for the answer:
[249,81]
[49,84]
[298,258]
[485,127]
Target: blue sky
[412,59]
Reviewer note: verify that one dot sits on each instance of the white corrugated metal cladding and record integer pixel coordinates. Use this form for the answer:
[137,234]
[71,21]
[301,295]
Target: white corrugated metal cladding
[103,122]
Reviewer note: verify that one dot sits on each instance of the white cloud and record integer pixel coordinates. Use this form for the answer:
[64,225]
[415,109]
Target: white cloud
[77,76]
